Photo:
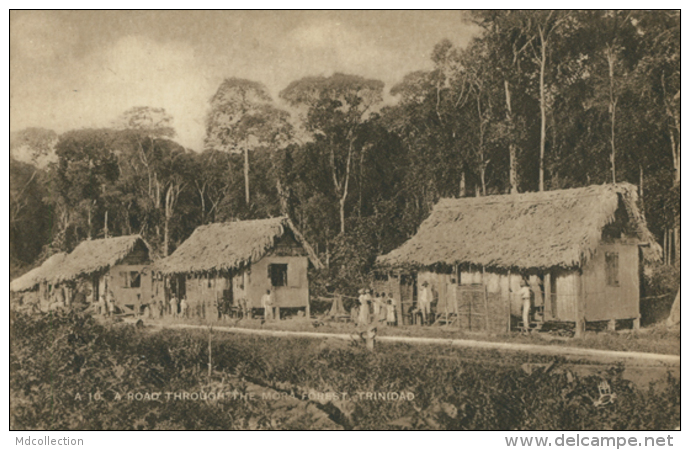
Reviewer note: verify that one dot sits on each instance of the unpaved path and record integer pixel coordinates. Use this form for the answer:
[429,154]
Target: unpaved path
[604,356]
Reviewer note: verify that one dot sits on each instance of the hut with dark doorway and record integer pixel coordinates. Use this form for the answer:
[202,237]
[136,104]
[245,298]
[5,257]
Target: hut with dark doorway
[118,268]
[579,248]
[34,286]
[234,263]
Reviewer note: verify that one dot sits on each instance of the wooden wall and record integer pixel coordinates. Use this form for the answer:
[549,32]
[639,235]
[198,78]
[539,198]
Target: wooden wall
[294,295]
[122,293]
[205,289]
[567,294]
[604,301]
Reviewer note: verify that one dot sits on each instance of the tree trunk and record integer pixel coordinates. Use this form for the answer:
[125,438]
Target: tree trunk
[612,110]
[166,237]
[342,187]
[342,214]
[676,158]
[512,149]
[676,235]
[641,188]
[169,205]
[542,107]
[105,226]
[665,247]
[89,223]
[246,176]
[283,196]
[482,176]
[463,188]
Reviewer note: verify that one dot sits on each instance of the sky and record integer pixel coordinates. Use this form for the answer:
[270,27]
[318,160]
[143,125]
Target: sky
[80,69]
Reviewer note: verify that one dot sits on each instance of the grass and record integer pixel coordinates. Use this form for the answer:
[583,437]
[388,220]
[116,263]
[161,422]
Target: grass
[653,339]
[54,356]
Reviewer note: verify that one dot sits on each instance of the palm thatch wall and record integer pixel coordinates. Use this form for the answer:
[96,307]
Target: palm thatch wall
[533,230]
[38,274]
[97,255]
[219,247]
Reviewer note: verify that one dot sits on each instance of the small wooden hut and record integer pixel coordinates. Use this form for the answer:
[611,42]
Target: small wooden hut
[241,260]
[580,246]
[119,266]
[34,285]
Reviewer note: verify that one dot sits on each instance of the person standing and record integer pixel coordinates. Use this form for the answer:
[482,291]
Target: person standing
[101,305]
[382,307]
[183,307]
[526,296]
[267,305]
[363,308]
[425,302]
[111,303]
[173,305]
[377,306]
[535,285]
[390,312]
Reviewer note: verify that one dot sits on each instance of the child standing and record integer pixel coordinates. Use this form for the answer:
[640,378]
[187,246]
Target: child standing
[390,313]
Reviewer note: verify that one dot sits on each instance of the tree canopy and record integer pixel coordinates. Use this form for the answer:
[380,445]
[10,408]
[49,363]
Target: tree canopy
[538,100]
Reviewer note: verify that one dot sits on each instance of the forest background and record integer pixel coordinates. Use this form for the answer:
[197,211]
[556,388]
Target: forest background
[539,100]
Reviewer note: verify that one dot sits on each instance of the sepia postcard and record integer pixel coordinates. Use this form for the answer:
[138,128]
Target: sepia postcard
[345,220]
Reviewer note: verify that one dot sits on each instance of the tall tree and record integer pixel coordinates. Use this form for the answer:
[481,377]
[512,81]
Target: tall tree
[542,27]
[242,118]
[333,111]
[34,145]
[658,74]
[87,167]
[146,141]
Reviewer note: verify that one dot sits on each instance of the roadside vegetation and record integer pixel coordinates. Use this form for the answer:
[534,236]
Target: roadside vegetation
[54,357]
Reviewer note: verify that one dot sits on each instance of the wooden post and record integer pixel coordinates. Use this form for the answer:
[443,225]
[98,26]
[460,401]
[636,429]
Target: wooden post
[509,300]
[486,300]
[210,361]
[636,323]
[277,313]
[548,312]
[676,234]
[369,336]
[580,321]
[665,256]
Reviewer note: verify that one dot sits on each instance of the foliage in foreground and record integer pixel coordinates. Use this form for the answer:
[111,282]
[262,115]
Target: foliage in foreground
[53,357]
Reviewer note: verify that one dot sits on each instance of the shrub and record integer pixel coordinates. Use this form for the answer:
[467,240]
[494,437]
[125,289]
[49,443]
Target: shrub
[660,284]
[54,357]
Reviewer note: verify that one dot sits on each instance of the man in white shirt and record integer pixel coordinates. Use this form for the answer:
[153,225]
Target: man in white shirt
[267,305]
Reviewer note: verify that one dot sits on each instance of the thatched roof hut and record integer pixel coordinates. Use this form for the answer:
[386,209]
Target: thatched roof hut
[219,247]
[532,230]
[38,274]
[97,255]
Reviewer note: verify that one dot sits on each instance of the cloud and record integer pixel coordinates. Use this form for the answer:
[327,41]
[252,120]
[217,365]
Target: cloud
[333,46]
[132,71]
[40,36]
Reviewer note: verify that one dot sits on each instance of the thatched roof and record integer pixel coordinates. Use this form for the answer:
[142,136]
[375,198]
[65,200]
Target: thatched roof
[38,274]
[96,255]
[542,229]
[230,245]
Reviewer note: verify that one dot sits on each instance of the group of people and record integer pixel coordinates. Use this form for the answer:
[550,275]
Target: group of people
[374,308]
[182,308]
